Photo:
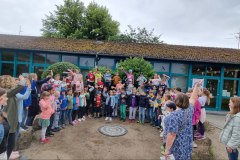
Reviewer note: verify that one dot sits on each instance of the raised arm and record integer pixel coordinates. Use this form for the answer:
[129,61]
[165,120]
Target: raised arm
[194,95]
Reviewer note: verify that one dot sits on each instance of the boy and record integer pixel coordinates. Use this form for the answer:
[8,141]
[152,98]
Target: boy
[123,105]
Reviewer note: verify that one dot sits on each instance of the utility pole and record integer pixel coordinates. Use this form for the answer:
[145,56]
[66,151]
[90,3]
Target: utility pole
[20,30]
[238,38]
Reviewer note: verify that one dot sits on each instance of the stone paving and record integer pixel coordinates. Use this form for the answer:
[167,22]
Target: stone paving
[216,120]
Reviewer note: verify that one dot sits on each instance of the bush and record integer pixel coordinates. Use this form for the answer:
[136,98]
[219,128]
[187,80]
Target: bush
[103,70]
[59,68]
[137,65]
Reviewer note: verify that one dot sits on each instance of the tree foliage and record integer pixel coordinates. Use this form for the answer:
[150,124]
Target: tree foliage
[74,20]
[137,65]
[59,68]
[137,35]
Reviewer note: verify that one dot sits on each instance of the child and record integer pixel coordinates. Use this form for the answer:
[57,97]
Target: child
[156,80]
[204,99]
[100,84]
[141,79]
[63,107]
[79,85]
[97,107]
[130,76]
[119,86]
[115,109]
[70,107]
[54,108]
[110,103]
[55,126]
[129,87]
[75,107]
[64,83]
[57,82]
[91,78]
[116,79]
[104,97]
[107,78]
[132,103]
[98,75]
[170,107]
[123,105]
[152,107]
[142,106]
[82,107]
[47,111]
[87,95]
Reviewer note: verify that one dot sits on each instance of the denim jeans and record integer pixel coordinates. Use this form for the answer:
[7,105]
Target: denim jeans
[24,118]
[141,115]
[69,113]
[132,113]
[63,117]
[233,155]
[151,114]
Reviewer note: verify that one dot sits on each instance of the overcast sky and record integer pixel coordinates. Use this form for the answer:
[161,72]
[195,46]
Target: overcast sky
[183,22]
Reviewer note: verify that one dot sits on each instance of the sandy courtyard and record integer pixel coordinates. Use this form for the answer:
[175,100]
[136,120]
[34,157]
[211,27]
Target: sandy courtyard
[83,141]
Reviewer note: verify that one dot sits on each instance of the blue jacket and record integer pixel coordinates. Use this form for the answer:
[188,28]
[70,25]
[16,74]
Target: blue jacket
[112,102]
[64,101]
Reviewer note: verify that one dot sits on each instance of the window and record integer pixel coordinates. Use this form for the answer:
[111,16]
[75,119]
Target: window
[213,71]
[225,104]
[22,68]
[179,82]
[71,59]
[198,69]
[161,67]
[230,88]
[231,72]
[23,57]
[8,56]
[52,58]
[109,63]
[87,62]
[39,58]
[179,68]
[7,69]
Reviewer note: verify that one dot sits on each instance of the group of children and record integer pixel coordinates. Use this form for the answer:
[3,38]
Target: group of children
[71,100]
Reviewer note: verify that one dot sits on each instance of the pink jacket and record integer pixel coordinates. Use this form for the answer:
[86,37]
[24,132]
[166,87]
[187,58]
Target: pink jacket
[197,112]
[46,109]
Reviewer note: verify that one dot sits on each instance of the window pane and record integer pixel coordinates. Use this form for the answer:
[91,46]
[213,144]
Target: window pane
[24,57]
[39,58]
[213,71]
[71,59]
[179,68]
[109,63]
[179,82]
[7,69]
[225,104]
[198,70]
[232,72]
[38,70]
[87,62]
[7,56]
[230,88]
[161,67]
[22,68]
[52,58]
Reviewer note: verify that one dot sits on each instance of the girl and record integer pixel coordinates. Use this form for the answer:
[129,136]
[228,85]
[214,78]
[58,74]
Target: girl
[75,107]
[110,103]
[204,99]
[70,107]
[156,80]
[115,109]
[63,107]
[230,135]
[97,107]
[91,78]
[142,107]
[3,97]
[116,79]
[4,127]
[123,105]
[47,111]
[57,82]
[107,78]
[98,75]
[79,85]
[87,95]
[55,127]
[132,103]
[82,107]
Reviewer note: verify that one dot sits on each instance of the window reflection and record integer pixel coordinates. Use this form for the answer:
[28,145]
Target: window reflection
[179,68]
[161,67]
[71,59]
[231,72]
[213,71]
[198,70]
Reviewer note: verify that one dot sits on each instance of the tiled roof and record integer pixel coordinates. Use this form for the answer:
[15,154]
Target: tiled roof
[154,51]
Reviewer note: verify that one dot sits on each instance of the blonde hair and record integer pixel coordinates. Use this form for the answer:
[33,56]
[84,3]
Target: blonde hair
[236,105]
[207,94]
[45,94]
[7,82]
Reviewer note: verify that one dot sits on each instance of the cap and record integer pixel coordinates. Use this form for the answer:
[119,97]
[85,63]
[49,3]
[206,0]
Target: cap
[171,105]
[130,70]
[47,87]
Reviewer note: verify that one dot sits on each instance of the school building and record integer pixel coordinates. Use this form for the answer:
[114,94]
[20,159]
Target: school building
[219,67]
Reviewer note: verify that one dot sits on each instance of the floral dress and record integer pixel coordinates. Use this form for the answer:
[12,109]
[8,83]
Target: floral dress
[180,123]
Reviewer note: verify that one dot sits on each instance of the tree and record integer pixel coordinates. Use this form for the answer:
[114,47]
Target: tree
[137,35]
[137,65]
[59,68]
[74,20]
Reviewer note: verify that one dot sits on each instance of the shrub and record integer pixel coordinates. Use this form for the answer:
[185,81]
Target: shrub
[59,68]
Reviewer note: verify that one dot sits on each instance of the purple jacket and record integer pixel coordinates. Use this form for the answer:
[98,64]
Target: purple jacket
[197,112]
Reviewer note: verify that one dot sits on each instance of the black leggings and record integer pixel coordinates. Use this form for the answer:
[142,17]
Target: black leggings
[74,114]
[81,112]
[11,143]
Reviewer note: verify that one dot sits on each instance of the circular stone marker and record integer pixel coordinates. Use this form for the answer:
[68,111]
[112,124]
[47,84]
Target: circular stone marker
[113,130]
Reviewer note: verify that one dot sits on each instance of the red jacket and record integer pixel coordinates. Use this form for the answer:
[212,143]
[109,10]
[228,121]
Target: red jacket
[98,101]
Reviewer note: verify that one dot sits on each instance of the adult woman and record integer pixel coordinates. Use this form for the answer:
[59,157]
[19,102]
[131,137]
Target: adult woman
[179,126]
[230,135]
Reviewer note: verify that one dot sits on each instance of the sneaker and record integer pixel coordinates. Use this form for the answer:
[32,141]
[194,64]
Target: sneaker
[25,127]
[75,121]
[106,118]
[45,140]
[129,121]
[79,120]
[22,129]
[161,134]
[138,122]
[83,119]
[201,137]
[14,155]
[54,130]
[197,135]
[110,119]
[194,145]
[63,126]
